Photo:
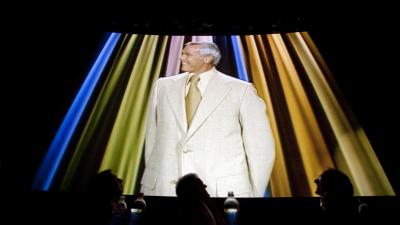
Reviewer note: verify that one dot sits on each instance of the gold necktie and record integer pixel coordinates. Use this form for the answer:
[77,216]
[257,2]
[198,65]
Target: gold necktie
[193,98]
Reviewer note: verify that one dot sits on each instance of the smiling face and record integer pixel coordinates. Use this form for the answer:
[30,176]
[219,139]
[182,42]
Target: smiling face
[193,62]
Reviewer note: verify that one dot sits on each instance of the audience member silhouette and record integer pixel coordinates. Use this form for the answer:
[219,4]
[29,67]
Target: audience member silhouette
[336,191]
[197,207]
[105,189]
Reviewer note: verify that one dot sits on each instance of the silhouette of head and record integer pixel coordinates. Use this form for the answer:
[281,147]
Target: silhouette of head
[334,182]
[106,185]
[336,191]
[191,187]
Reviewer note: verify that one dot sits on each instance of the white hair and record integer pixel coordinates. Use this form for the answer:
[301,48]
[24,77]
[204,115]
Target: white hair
[208,48]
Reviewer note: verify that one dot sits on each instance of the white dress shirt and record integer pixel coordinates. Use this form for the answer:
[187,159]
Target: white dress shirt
[203,82]
[187,157]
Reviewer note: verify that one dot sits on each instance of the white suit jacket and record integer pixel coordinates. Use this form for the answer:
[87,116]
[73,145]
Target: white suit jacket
[229,143]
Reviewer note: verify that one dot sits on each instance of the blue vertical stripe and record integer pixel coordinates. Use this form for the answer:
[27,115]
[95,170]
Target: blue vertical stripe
[52,159]
[267,192]
[239,58]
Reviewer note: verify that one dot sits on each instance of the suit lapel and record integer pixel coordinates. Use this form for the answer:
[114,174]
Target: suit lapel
[176,93]
[216,91]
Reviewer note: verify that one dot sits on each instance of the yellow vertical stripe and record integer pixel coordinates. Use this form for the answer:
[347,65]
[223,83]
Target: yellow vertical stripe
[354,152]
[125,146]
[313,150]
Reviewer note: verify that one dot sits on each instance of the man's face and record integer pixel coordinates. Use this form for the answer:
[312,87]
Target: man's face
[318,190]
[118,186]
[191,60]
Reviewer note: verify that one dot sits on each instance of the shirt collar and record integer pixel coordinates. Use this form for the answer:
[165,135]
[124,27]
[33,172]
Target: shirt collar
[204,77]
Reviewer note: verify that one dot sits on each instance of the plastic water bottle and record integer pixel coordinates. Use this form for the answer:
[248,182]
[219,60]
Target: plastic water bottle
[231,204]
[119,211]
[121,204]
[139,205]
[137,210]
[231,208]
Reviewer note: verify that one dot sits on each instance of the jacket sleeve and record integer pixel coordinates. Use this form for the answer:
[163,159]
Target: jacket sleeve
[151,126]
[258,140]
